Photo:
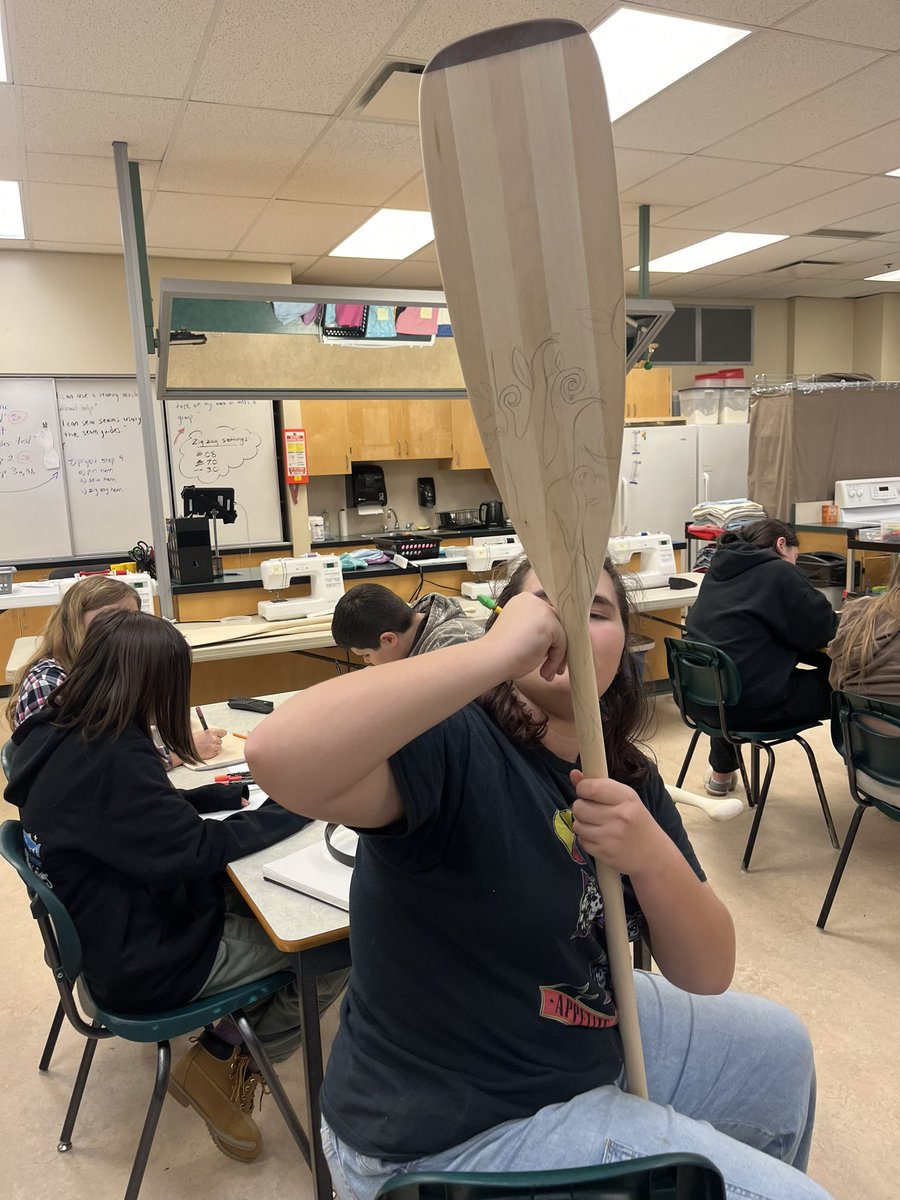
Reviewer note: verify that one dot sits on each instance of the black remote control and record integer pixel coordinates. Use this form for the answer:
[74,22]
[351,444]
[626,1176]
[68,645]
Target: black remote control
[248,704]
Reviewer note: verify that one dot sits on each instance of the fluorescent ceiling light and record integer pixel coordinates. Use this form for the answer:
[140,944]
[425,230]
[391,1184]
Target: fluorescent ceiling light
[642,52]
[896,171]
[11,222]
[712,250]
[390,233]
[887,277]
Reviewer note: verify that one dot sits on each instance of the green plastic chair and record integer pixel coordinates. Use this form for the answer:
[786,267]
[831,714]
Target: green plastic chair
[871,751]
[706,676]
[662,1177]
[62,953]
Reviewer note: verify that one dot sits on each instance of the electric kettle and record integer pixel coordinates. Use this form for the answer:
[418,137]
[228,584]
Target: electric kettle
[491,513]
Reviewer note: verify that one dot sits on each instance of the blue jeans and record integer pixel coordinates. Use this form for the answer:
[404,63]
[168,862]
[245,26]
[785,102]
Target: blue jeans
[730,1077]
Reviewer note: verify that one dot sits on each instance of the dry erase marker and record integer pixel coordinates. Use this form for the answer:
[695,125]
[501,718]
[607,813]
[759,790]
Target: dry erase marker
[490,603]
[235,777]
[200,717]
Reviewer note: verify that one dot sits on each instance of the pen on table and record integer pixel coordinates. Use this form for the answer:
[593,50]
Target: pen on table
[200,717]
[490,603]
[242,736]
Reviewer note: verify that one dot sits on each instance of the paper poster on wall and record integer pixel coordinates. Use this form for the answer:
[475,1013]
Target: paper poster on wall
[296,468]
[228,443]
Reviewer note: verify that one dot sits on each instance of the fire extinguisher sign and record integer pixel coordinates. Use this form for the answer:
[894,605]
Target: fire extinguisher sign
[296,468]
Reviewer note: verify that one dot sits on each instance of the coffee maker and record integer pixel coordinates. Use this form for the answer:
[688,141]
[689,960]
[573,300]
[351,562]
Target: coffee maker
[490,512]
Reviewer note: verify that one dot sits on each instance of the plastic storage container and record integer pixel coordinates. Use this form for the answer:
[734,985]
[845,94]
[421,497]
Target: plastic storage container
[734,406]
[700,406]
[6,580]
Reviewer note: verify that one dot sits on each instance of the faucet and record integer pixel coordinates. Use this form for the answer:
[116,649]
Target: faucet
[389,512]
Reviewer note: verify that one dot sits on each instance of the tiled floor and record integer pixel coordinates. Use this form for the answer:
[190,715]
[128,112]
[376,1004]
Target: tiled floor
[845,984]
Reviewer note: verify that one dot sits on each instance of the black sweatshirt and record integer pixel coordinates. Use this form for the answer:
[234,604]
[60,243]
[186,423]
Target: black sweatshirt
[763,612]
[139,871]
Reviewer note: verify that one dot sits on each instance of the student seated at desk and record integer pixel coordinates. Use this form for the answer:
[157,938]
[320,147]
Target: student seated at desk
[60,642]
[140,872]
[758,606]
[479,1031]
[865,652]
[375,624]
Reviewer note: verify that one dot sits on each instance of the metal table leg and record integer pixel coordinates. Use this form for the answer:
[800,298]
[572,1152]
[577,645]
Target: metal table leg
[311,963]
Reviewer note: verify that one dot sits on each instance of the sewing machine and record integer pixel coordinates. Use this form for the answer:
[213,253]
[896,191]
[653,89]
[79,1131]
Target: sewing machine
[657,563]
[483,554]
[326,583]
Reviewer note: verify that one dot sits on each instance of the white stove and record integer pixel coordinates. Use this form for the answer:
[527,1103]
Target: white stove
[865,502]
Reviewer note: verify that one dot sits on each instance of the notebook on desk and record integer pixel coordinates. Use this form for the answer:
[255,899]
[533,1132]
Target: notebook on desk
[315,872]
[234,750]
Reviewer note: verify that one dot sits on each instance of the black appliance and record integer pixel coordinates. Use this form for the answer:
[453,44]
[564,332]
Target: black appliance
[189,550]
[491,513]
[365,485]
[425,491]
[824,568]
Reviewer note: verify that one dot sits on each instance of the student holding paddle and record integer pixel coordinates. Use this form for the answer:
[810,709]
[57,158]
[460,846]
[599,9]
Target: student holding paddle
[480,1031]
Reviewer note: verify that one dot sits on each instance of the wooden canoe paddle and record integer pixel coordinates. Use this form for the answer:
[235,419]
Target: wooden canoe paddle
[521,181]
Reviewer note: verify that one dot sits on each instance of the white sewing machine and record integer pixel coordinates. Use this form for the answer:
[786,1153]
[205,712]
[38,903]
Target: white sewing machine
[326,583]
[141,582]
[657,559]
[486,552]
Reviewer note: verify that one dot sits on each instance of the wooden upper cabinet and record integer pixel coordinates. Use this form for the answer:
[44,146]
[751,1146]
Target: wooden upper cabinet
[327,425]
[467,451]
[376,430]
[648,394]
[425,428]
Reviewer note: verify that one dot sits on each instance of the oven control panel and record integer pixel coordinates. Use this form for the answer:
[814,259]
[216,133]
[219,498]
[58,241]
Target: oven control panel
[867,493]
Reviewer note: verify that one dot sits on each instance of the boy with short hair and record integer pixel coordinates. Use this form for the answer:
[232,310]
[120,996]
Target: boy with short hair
[374,623]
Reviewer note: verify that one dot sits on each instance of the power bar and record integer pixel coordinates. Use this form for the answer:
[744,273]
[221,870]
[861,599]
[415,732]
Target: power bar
[399,561]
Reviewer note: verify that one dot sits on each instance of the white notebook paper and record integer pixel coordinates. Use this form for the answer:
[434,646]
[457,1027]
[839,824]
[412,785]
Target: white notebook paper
[315,872]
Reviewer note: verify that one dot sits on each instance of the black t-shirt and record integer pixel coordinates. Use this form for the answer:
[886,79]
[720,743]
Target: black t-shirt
[480,987]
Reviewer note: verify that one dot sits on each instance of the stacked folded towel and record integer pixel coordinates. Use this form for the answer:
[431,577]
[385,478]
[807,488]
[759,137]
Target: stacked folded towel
[727,512]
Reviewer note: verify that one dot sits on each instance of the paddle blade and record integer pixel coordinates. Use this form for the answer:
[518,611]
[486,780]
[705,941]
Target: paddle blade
[521,181]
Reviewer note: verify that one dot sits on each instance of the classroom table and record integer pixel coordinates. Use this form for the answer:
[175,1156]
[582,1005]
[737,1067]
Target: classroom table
[316,934]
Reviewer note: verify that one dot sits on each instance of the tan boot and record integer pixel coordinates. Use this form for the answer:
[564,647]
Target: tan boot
[221,1091]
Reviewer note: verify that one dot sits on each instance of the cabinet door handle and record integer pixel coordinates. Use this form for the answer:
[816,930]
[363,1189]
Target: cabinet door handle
[456,456]
[347,457]
[406,449]
[398,449]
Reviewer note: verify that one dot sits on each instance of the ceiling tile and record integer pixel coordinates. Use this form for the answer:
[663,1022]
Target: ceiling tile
[872,153]
[411,196]
[108,46]
[12,160]
[758,76]
[662,241]
[86,169]
[629,214]
[59,122]
[873,23]
[837,209]
[693,180]
[188,222]
[299,228]
[756,200]
[297,264]
[346,272]
[357,162]
[413,275]
[77,247]
[68,213]
[744,12]
[882,220]
[303,57]
[223,149]
[634,166]
[438,23]
[824,117]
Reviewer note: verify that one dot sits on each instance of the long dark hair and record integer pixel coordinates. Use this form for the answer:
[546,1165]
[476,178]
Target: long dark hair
[762,534]
[623,707]
[132,667]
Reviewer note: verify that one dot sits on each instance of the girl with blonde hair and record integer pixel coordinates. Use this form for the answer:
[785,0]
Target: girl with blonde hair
[865,650]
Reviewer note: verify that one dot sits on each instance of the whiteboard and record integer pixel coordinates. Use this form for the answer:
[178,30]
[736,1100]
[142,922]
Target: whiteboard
[228,443]
[103,452]
[33,513]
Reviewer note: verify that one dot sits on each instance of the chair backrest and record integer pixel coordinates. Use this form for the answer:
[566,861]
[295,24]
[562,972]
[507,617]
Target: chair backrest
[865,731]
[662,1177]
[6,757]
[701,675]
[61,941]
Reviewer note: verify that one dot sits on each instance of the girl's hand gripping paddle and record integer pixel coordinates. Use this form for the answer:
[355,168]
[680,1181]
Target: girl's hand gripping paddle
[521,182]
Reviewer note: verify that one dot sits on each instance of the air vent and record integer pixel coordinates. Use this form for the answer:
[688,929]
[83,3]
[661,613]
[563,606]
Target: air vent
[802,268]
[393,94]
[845,235]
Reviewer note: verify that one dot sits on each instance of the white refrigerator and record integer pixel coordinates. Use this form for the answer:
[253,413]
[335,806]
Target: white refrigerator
[667,469]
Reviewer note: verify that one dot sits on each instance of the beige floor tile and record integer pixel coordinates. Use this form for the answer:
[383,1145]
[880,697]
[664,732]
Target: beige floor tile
[844,983]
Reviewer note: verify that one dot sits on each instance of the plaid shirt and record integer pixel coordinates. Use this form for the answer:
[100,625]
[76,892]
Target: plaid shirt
[44,678]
